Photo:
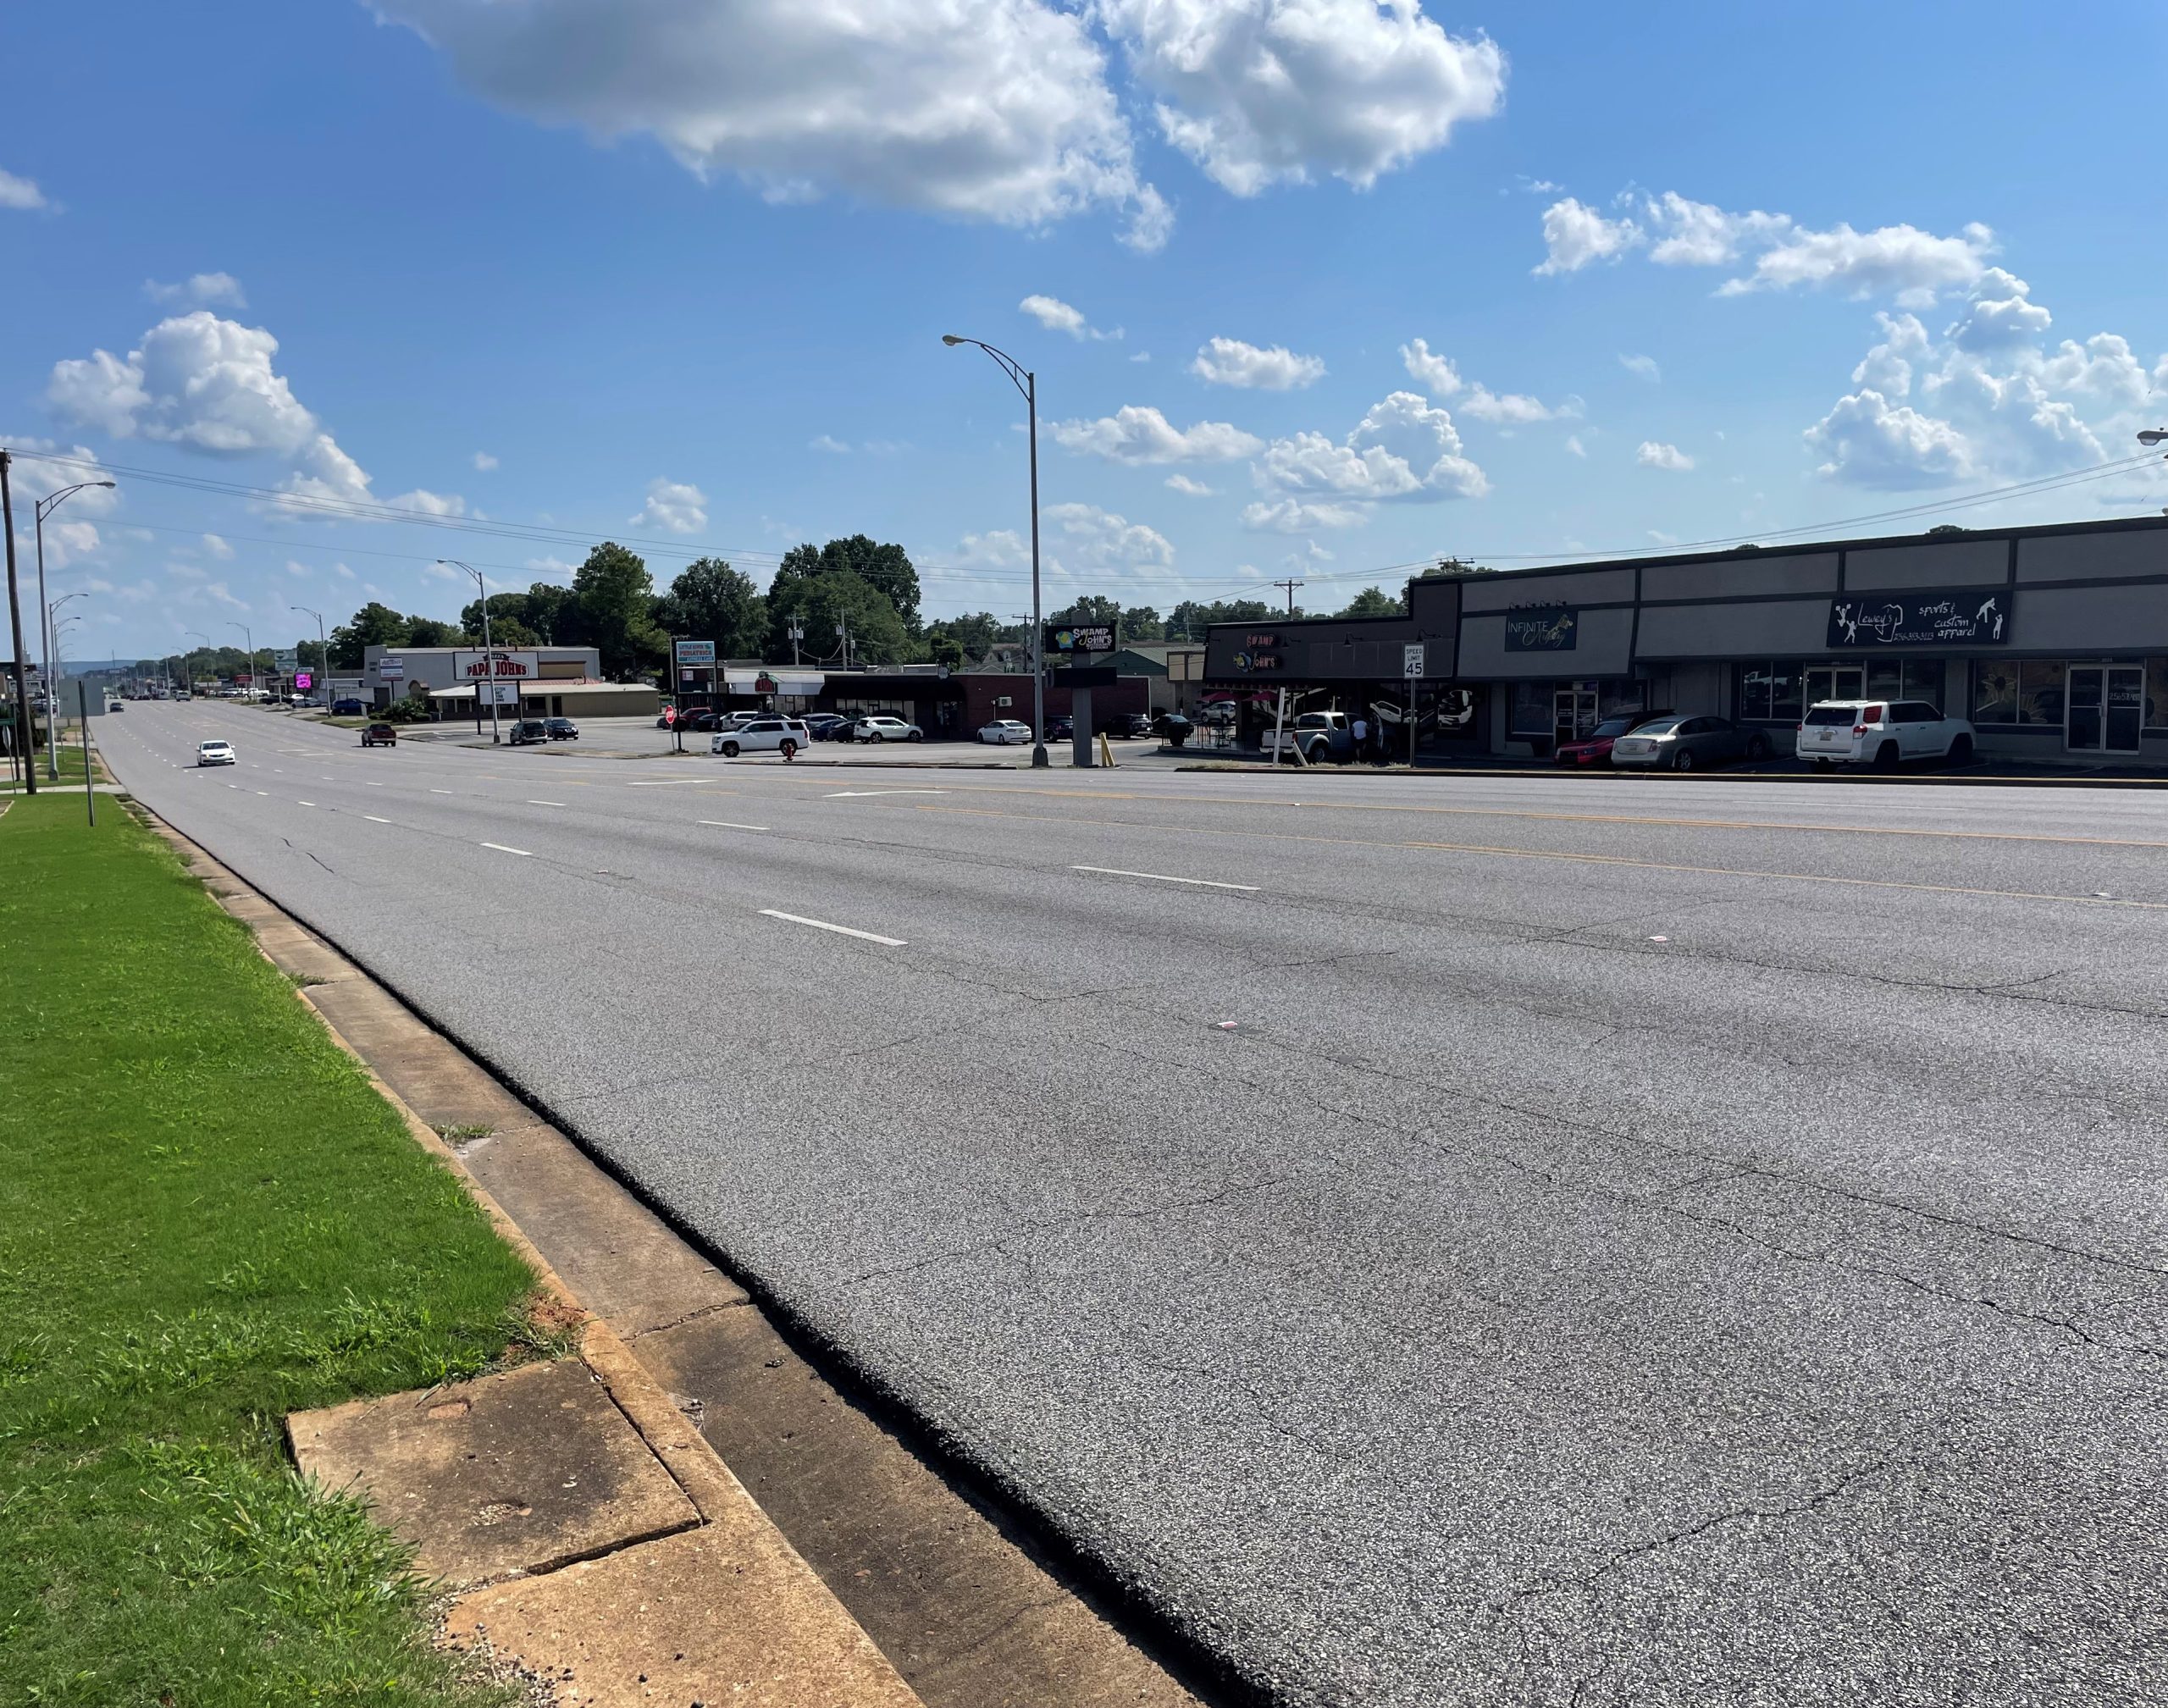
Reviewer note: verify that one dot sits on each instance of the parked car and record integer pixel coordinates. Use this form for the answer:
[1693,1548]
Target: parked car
[1686,741]
[1129,726]
[827,726]
[1219,712]
[561,728]
[1316,737]
[528,732]
[782,735]
[348,708]
[379,735]
[214,753]
[881,728]
[1062,728]
[1594,749]
[1882,733]
[1002,731]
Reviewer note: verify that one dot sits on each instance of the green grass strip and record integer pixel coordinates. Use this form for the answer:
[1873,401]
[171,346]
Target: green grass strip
[208,1218]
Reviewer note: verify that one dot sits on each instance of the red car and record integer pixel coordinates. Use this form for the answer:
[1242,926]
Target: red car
[1594,749]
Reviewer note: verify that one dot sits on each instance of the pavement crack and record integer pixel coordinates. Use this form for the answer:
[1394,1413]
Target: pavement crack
[1551,1584]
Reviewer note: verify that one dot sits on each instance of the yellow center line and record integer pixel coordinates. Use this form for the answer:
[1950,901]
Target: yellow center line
[1496,851]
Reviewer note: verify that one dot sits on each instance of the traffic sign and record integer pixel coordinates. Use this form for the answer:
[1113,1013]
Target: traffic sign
[287,660]
[1411,660]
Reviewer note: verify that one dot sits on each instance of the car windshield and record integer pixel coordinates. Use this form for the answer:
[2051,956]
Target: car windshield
[1613,727]
[1663,726]
[1834,715]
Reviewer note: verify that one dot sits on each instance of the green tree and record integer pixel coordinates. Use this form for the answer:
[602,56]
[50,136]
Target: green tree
[1143,622]
[709,601]
[1189,620]
[886,567]
[819,602]
[943,648]
[553,613]
[1373,601]
[1453,569]
[615,598]
[428,631]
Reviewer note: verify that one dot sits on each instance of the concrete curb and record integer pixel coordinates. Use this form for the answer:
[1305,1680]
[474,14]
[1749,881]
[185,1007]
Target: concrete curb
[969,1608]
[831,1659]
[1627,779]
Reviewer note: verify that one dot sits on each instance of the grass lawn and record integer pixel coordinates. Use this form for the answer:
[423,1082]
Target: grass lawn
[208,1220]
[71,768]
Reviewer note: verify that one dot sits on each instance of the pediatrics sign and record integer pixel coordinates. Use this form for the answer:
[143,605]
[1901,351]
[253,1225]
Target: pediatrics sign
[1949,616]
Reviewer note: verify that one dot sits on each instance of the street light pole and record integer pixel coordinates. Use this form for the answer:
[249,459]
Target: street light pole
[489,652]
[1027,382]
[15,622]
[247,634]
[44,507]
[322,653]
[209,644]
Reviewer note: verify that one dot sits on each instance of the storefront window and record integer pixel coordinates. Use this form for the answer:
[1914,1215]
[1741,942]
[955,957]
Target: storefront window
[2156,694]
[2040,691]
[1533,711]
[1994,693]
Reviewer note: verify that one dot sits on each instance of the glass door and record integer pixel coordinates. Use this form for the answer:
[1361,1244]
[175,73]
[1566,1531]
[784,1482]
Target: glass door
[1573,713]
[1835,682]
[2084,727]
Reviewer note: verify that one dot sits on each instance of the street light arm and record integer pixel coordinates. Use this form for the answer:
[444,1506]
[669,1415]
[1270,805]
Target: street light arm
[1019,375]
[51,500]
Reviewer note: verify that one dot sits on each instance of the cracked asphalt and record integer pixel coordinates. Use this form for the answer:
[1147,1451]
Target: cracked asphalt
[1595,1242]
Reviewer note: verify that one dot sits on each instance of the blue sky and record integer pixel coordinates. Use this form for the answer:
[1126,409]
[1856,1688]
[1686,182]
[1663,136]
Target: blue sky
[676,270]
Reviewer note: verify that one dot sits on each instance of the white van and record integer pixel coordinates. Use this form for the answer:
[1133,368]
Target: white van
[1882,734]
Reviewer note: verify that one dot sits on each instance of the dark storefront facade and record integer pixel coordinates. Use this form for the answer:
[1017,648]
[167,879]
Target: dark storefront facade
[2052,640]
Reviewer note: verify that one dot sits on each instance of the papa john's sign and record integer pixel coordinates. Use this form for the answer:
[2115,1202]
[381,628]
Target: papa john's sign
[512,669]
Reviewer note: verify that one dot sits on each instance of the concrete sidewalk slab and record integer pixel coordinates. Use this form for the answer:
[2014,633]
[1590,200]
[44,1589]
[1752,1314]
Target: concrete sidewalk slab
[645,1626]
[519,1473]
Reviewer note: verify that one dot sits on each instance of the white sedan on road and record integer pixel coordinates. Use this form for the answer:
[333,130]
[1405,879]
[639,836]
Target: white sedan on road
[214,753]
[1005,730]
[787,736]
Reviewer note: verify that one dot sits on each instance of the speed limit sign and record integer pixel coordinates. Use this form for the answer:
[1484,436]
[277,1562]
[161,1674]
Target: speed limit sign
[1411,660]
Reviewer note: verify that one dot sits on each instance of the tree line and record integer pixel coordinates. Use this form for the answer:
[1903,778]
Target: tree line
[855,593]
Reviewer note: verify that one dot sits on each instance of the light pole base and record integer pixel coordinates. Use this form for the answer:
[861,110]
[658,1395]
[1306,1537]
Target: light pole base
[1039,760]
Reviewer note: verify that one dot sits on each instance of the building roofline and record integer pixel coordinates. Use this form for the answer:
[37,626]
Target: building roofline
[2123,524]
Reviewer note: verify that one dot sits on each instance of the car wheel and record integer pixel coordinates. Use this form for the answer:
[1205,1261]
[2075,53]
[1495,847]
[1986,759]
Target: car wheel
[1961,750]
[788,750]
[1757,749]
[1886,756]
[1683,759]
[730,749]
[915,735]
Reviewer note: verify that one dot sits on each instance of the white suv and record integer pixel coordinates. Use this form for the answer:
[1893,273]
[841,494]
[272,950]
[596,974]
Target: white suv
[1882,733]
[782,735]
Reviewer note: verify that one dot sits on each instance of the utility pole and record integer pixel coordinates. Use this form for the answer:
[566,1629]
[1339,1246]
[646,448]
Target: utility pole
[842,628]
[797,634]
[1290,585]
[15,623]
[489,652]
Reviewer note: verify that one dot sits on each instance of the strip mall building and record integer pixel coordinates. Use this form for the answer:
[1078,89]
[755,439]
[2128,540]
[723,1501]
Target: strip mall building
[2052,640]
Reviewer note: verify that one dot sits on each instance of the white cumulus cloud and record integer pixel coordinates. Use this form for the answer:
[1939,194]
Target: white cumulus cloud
[216,545]
[988,109]
[828,445]
[20,194]
[674,506]
[1575,235]
[1654,454]
[1296,515]
[1867,440]
[1139,434]
[199,291]
[483,463]
[1642,368]
[1057,316]
[1265,92]
[1434,373]
[1101,540]
[1190,488]
[1229,361]
[1403,448]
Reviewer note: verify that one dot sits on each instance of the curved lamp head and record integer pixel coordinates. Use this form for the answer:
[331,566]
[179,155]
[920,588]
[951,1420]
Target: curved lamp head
[950,339]
[2152,435]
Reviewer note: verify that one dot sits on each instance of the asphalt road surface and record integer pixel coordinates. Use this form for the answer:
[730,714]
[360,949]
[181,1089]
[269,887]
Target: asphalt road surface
[1444,1241]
